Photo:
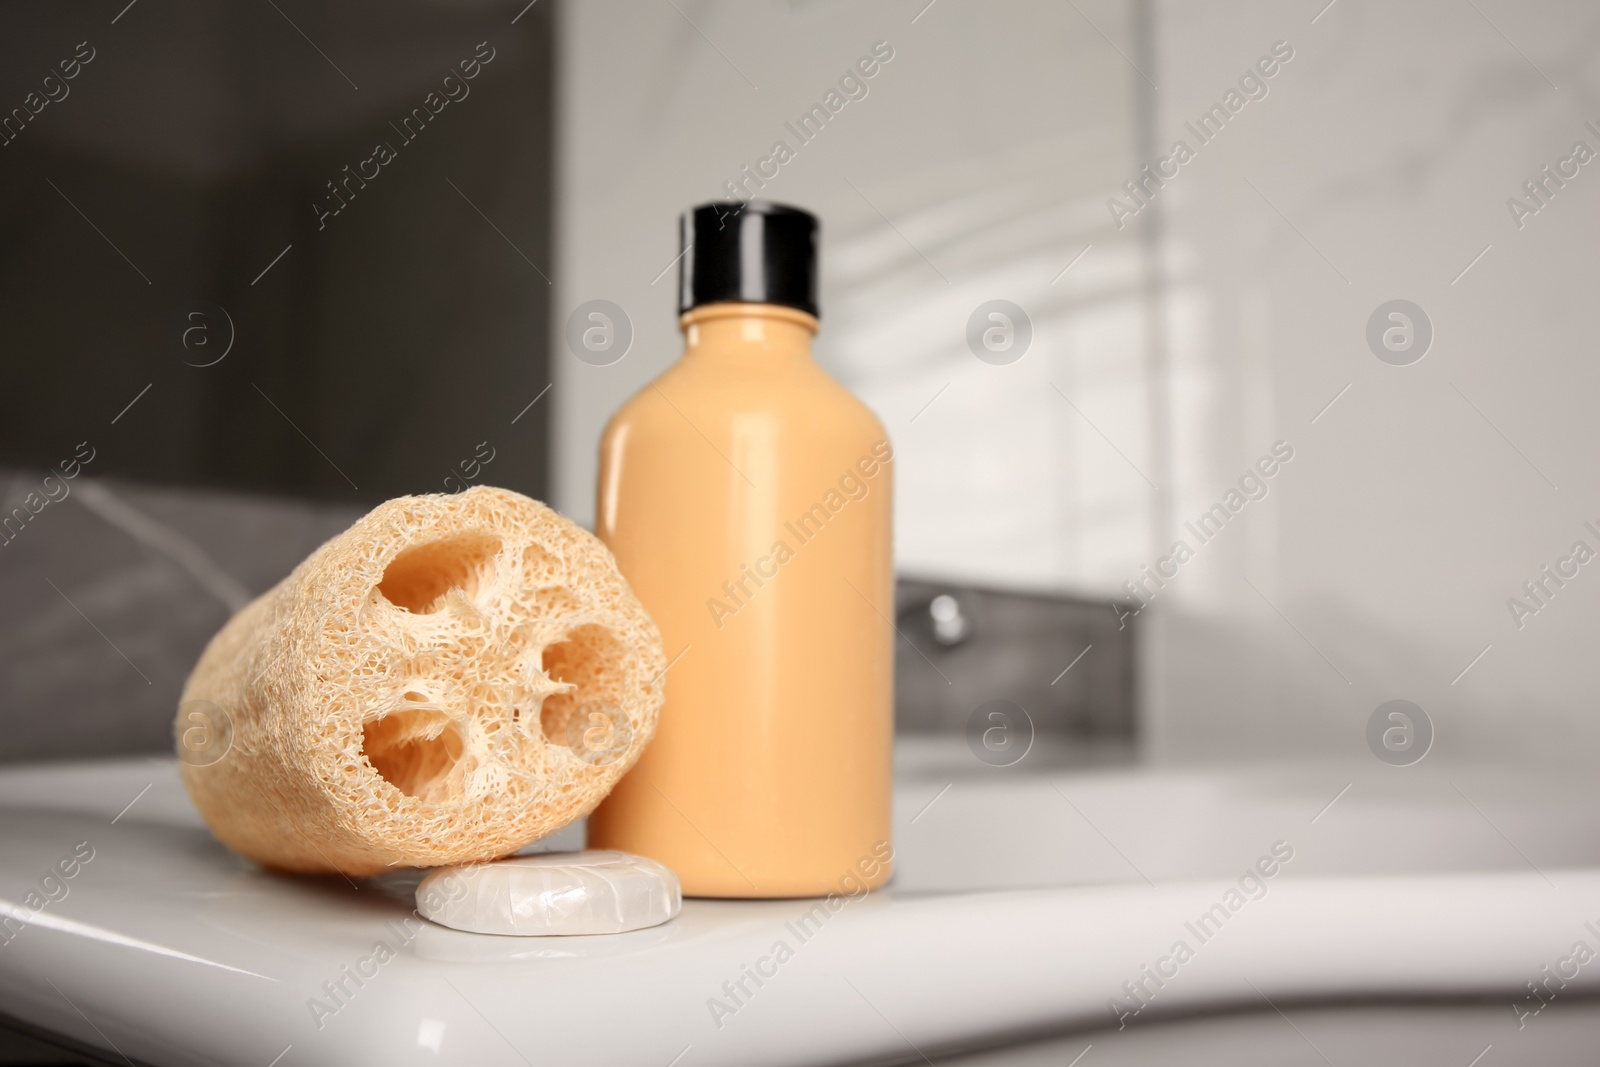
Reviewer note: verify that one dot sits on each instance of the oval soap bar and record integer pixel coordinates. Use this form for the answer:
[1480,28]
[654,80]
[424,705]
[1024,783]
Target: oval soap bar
[594,892]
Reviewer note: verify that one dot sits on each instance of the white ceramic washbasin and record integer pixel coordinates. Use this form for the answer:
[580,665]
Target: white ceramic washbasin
[1023,902]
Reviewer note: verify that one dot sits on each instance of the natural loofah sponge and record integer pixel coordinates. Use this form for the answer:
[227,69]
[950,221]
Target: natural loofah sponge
[444,682]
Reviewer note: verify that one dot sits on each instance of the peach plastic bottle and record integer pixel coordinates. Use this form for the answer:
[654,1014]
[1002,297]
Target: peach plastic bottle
[747,497]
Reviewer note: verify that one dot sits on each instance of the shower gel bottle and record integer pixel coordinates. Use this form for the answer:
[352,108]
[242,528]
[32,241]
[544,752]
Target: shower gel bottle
[747,497]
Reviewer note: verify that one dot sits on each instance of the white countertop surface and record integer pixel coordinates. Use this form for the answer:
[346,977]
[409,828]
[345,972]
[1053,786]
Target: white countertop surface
[1022,903]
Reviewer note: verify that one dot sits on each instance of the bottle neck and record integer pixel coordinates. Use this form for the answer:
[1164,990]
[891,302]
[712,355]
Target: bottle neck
[747,331]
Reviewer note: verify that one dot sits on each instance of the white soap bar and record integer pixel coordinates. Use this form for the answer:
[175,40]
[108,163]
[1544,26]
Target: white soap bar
[593,892]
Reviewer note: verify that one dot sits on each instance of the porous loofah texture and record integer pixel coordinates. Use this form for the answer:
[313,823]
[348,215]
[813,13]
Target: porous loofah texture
[446,681]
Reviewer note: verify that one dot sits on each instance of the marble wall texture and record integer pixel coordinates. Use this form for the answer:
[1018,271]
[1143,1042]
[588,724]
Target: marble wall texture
[112,591]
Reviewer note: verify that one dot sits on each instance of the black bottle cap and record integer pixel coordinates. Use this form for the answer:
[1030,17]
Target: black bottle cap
[755,253]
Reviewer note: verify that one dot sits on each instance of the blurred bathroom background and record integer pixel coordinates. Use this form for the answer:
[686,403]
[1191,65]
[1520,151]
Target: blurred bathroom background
[415,339]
